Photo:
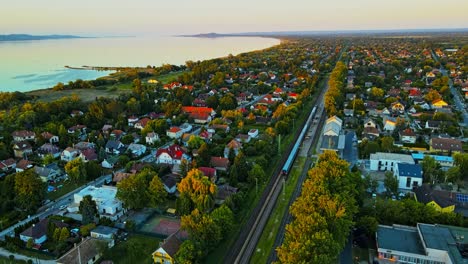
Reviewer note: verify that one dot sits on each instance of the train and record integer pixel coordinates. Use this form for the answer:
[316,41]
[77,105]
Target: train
[292,156]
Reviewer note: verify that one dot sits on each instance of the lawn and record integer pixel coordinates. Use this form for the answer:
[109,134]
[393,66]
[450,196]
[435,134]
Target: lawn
[169,77]
[67,187]
[137,249]
[268,237]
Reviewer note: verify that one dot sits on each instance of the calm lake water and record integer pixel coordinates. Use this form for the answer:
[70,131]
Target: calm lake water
[30,65]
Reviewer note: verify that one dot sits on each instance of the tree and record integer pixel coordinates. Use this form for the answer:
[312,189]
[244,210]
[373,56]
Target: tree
[156,192]
[57,234]
[188,253]
[430,169]
[224,218]
[203,158]
[377,93]
[227,102]
[453,174]
[202,229]
[199,188]
[88,209]
[30,243]
[461,161]
[64,234]
[132,191]
[76,170]
[195,142]
[391,183]
[387,144]
[48,159]
[256,174]
[93,170]
[29,190]
[368,224]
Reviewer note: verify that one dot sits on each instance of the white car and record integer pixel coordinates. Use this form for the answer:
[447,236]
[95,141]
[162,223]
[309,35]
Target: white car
[62,207]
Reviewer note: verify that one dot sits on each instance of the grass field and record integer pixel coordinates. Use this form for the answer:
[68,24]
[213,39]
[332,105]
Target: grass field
[137,249]
[268,237]
[66,188]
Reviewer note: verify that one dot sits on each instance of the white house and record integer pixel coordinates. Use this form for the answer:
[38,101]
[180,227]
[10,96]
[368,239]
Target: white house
[174,132]
[104,232]
[50,137]
[105,197]
[136,149]
[152,138]
[185,127]
[389,125]
[171,155]
[253,133]
[408,136]
[381,161]
[408,175]
[23,135]
[69,154]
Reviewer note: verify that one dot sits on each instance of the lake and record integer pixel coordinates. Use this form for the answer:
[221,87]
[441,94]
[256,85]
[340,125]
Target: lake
[31,65]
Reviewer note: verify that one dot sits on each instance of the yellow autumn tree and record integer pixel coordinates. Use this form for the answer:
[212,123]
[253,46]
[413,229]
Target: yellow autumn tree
[199,189]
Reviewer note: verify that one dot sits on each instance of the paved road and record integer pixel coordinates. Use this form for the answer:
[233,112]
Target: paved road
[6,253]
[53,207]
[459,101]
[350,153]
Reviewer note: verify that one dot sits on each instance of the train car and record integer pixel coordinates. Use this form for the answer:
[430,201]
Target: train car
[289,162]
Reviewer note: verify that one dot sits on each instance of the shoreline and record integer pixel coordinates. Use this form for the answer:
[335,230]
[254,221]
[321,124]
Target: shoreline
[116,69]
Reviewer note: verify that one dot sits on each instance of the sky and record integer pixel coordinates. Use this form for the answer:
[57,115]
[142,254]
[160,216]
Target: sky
[166,17]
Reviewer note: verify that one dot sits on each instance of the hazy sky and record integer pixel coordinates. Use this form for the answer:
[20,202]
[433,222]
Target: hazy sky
[137,17]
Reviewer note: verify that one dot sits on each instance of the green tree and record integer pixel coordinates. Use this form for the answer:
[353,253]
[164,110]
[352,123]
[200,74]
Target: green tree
[195,142]
[368,224]
[88,209]
[156,192]
[227,102]
[202,229]
[387,144]
[189,253]
[30,243]
[461,161]
[453,174]
[203,158]
[57,234]
[430,169]
[48,159]
[224,218]
[64,234]
[29,190]
[391,183]
[76,170]
[256,174]
[132,191]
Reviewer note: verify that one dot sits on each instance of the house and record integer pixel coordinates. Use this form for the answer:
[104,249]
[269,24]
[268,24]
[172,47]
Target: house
[23,165]
[110,162]
[174,132]
[50,137]
[104,232]
[205,135]
[224,191]
[140,124]
[171,155]
[105,197]
[234,145]
[253,133]
[433,124]
[444,161]
[151,138]
[23,135]
[243,138]
[106,129]
[69,154]
[200,118]
[48,149]
[116,134]
[389,125]
[381,161]
[220,163]
[209,172]
[8,164]
[167,251]
[170,183]
[446,145]
[76,113]
[84,145]
[398,107]
[88,155]
[119,176]
[216,127]
[439,104]
[185,127]
[370,133]
[131,120]
[440,200]
[80,129]
[407,136]
[47,173]
[348,112]
[195,109]
[88,251]
[370,123]
[332,126]
[425,243]
[38,232]
[136,149]
[408,175]
[114,147]
[21,149]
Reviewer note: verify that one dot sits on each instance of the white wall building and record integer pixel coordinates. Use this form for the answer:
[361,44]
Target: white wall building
[105,197]
[381,161]
[408,175]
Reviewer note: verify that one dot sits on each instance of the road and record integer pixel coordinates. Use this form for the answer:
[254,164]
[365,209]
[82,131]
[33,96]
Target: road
[459,101]
[53,207]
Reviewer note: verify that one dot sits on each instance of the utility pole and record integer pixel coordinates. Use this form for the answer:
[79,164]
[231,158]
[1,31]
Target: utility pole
[279,144]
[256,185]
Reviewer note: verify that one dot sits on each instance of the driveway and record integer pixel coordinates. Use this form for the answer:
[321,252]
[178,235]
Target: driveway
[350,153]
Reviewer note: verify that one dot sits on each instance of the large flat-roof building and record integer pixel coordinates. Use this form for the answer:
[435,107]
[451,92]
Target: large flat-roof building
[425,244]
[381,161]
[105,197]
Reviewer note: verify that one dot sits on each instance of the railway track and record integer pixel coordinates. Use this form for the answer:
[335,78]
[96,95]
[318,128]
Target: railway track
[245,245]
